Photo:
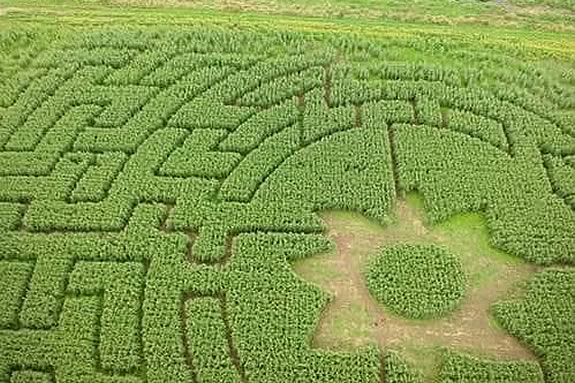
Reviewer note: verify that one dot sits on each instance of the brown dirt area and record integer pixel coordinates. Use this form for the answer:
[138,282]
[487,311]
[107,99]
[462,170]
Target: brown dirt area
[353,318]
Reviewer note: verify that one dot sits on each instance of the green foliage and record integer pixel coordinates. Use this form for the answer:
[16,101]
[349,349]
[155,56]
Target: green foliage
[397,370]
[463,368]
[544,318]
[208,340]
[342,170]
[562,176]
[416,281]
[247,176]
[197,157]
[565,4]
[457,173]
[13,279]
[477,126]
[156,183]
[30,376]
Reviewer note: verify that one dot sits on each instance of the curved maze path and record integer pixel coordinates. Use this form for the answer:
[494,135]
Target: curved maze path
[154,187]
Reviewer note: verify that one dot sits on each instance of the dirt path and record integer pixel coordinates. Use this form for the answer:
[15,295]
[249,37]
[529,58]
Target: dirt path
[354,318]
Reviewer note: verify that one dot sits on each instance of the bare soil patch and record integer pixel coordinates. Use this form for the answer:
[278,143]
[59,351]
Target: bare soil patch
[353,318]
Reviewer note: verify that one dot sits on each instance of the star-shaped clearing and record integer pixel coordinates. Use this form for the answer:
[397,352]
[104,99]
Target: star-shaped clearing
[353,318]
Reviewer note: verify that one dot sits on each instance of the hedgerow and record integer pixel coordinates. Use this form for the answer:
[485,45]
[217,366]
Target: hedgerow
[155,185]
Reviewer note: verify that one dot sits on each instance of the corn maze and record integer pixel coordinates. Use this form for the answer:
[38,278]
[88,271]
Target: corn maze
[156,185]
